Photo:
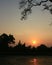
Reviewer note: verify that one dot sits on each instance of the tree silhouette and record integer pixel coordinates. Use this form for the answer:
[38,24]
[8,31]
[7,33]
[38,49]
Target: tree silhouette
[50,0]
[27,5]
[42,50]
[6,39]
[11,39]
[21,48]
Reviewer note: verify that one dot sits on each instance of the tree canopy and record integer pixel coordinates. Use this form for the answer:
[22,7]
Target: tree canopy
[6,39]
[27,6]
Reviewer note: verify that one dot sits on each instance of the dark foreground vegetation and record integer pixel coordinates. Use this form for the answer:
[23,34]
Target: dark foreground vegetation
[21,49]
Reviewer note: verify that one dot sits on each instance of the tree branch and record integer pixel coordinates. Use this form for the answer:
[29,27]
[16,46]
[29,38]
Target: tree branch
[29,4]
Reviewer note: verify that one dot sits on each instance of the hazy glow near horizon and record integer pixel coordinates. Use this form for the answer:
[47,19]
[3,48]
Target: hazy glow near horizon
[35,27]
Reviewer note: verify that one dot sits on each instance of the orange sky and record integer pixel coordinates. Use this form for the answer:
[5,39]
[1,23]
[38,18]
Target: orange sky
[36,27]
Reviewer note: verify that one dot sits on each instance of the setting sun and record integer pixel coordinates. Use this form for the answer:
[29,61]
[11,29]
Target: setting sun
[34,41]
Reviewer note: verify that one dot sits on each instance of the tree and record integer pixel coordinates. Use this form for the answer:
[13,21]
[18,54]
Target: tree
[42,50]
[6,39]
[27,5]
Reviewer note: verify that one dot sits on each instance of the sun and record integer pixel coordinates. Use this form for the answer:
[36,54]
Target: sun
[34,41]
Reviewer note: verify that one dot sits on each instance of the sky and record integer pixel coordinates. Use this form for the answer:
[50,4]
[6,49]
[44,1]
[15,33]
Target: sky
[36,27]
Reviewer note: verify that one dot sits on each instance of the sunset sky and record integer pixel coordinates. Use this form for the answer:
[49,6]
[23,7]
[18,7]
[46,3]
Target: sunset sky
[36,27]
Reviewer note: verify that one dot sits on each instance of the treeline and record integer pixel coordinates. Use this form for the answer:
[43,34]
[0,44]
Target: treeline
[21,49]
